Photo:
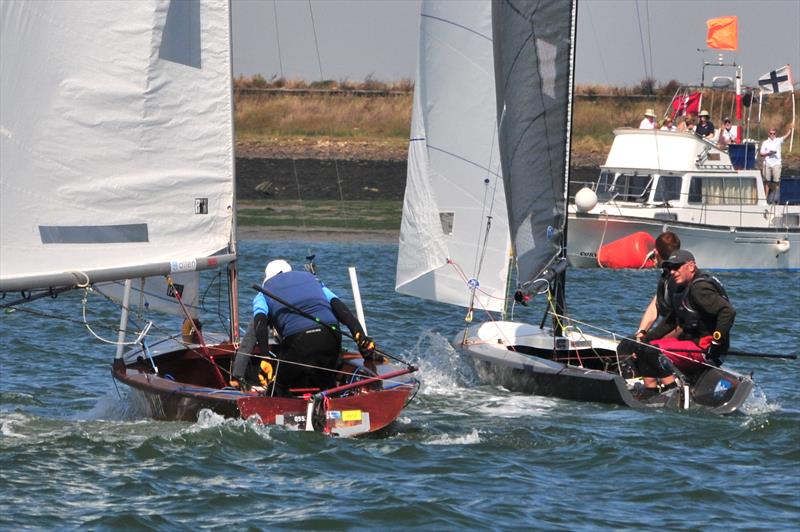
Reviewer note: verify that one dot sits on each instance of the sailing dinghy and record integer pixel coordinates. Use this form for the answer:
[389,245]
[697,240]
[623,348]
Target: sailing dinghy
[118,166]
[463,217]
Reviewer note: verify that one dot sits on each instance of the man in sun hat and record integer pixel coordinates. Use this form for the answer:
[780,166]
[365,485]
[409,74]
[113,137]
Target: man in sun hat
[700,307]
[705,128]
[649,120]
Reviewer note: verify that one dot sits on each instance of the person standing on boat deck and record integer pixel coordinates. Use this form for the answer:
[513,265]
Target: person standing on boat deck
[649,120]
[771,152]
[668,125]
[705,128]
[666,244]
[727,135]
[700,307]
[303,341]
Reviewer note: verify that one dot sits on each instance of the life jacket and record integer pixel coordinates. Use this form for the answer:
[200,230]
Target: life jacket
[663,294]
[304,291]
[696,324]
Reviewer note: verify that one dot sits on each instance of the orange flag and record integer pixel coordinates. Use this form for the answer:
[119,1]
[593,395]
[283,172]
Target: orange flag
[722,33]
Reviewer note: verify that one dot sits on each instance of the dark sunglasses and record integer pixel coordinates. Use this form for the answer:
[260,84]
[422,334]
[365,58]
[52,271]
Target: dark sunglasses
[673,267]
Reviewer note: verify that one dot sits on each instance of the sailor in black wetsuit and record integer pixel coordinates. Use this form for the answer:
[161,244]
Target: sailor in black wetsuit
[309,349]
[666,244]
[700,307]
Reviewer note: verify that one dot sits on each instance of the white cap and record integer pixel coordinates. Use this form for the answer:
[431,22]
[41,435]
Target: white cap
[275,267]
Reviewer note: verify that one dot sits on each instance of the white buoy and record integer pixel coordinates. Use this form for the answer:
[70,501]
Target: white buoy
[783,245]
[585,199]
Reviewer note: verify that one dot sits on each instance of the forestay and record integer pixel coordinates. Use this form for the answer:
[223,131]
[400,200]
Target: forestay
[116,134]
[454,182]
[534,72]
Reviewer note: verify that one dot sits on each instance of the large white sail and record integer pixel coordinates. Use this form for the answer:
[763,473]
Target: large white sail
[533,49]
[454,182]
[117,140]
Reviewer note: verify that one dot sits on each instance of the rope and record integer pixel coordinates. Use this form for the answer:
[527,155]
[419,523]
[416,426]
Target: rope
[139,338]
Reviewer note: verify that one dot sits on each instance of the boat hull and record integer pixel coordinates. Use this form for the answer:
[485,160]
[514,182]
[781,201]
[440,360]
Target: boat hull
[185,385]
[534,371]
[715,247]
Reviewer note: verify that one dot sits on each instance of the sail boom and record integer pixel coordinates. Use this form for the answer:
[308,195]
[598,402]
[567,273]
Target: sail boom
[80,278]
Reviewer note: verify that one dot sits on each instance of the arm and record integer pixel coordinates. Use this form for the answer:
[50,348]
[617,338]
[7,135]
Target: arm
[789,131]
[261,323]
[706,297]
[665,326]
[648,318]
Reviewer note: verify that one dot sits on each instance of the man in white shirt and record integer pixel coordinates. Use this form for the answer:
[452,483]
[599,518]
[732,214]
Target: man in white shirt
[727,135]
[649,120]
[771,152]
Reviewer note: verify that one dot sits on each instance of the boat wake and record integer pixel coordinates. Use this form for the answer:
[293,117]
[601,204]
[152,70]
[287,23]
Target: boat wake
[443,370]
[758,404]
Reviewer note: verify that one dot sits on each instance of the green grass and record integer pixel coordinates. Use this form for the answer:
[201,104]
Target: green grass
[365,215]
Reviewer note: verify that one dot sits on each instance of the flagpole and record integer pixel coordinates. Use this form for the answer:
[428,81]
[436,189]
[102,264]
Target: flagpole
[791,139]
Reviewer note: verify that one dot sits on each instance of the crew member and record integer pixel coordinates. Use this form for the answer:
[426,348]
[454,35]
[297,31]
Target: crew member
[309,350]
[666,244]
[700,307]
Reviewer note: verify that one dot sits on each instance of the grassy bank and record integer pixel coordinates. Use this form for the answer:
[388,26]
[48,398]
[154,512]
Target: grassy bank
[377,120]
[317,214]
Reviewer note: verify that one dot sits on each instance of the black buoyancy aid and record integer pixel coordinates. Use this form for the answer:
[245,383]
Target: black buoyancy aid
[694,322]
[663,294]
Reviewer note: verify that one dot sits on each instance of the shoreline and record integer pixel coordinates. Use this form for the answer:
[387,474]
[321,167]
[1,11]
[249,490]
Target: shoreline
[284,234]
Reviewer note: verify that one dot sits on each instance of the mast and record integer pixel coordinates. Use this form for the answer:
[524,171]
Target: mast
[233,287]
[561,278]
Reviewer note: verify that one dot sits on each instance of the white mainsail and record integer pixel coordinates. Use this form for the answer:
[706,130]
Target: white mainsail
[534,75]
[116,138]
[454,182]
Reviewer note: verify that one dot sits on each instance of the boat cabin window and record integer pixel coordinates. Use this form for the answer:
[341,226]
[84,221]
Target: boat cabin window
[668,188]
[725,190]
[623,187]
[631,187]
[604,184]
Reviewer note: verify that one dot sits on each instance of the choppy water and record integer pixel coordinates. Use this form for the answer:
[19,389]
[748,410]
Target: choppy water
[76,454]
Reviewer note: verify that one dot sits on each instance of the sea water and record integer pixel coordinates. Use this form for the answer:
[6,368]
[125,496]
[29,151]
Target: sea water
[78,453]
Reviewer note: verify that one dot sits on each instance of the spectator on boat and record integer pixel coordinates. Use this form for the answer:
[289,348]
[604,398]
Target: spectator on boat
[700,307]
[649,120]
[668,125]
[727,135]
[771,152]
[705,129]
[666,244]
[689,124]
[309,350]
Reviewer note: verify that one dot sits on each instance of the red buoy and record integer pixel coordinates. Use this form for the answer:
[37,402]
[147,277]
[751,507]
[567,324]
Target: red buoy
[628,252]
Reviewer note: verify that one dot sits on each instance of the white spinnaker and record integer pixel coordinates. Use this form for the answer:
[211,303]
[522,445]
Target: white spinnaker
[116,138]
[454,181]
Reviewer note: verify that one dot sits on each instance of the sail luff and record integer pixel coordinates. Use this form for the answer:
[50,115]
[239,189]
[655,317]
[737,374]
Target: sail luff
[532,52]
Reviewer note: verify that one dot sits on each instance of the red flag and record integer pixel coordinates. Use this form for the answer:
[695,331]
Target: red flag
[686,104]
[722,33]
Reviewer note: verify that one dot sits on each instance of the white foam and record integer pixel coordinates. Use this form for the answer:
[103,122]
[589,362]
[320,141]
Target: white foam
[466,439]
[7,425]
[758,404]
[442,369]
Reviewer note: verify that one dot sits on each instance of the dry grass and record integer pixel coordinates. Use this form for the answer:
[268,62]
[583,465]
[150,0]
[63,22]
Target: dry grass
[263,117]
[322,115]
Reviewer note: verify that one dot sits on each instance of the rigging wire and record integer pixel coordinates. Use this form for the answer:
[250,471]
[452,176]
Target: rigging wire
[316,42]
[277,35]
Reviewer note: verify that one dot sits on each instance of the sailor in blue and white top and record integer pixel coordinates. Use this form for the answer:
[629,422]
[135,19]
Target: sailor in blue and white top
[309,347]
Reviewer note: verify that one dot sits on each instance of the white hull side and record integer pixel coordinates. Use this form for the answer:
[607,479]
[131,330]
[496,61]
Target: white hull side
[714,247]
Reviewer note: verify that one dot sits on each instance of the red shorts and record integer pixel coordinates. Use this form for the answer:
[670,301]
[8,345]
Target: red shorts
[685,355]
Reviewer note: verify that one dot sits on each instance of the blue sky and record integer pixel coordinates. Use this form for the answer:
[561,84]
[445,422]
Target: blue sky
[619,41]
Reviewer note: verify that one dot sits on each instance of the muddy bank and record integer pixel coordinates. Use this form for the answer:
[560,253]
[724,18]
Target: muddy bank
[318,179]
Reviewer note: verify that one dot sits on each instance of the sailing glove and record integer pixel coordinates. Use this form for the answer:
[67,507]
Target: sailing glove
[366,346]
